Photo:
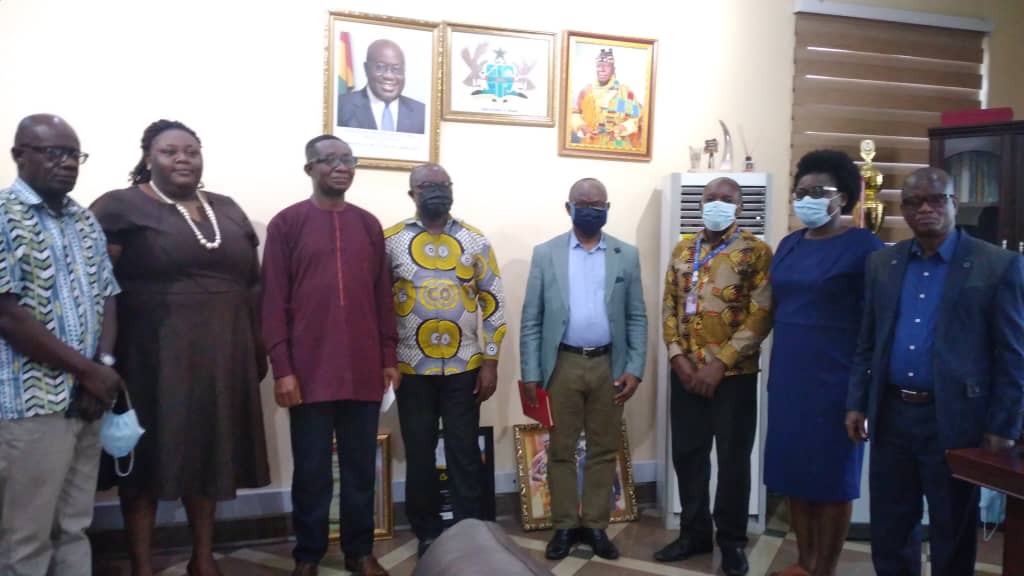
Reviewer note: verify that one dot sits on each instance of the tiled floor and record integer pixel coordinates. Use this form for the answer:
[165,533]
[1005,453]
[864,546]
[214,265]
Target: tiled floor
[637,542]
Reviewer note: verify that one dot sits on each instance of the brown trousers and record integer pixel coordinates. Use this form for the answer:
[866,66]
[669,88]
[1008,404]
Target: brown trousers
[582,396]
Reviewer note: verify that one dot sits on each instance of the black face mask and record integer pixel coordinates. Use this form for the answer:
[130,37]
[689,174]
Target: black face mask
[589,220]
[435,200]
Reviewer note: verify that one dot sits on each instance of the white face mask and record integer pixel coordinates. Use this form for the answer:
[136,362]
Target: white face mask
[813,212]
[718,215]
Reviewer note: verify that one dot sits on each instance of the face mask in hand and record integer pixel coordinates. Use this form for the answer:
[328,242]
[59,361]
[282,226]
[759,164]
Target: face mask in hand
[119,433]
[813,212]
[435,200]
[587,219]
[718,215]
[993,511]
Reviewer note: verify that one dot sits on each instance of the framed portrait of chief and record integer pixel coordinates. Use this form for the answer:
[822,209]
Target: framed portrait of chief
[500,76]
[382,88]
[607,108]
[531,442]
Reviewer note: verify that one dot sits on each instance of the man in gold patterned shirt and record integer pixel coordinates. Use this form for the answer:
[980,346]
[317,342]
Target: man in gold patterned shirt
[716,312]
[446,281]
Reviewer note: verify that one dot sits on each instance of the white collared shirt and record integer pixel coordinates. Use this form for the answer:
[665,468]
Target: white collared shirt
[377,105]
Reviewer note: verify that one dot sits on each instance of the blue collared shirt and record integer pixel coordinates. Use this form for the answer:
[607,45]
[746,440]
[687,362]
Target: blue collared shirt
[588,316]
[910,365]
[57,266]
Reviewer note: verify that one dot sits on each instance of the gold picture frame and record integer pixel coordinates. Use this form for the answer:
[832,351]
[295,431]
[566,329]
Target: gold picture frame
[499,76]
[531,472]
[383,515]
[352,101]
[607,114]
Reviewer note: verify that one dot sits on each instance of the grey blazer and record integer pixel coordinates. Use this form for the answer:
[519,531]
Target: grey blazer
[546,309]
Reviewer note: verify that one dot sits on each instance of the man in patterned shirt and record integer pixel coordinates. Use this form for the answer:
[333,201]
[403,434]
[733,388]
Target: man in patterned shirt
[715,315]
[57,314]
[446,281]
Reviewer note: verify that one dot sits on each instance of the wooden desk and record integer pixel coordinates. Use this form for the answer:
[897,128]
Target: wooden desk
[1004,472]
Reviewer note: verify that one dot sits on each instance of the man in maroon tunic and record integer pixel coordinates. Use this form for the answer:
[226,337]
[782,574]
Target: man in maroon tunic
[329,326]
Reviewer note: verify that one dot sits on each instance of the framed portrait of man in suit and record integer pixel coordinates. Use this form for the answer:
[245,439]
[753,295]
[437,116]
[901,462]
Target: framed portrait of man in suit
[382,88]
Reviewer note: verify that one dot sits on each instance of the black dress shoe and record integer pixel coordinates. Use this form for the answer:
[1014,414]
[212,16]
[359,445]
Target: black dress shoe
[682,548]
[561,544]
[421,549]
[598,541]
[734,561]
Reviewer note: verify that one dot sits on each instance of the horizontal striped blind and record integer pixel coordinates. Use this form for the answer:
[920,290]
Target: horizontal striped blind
[888,81]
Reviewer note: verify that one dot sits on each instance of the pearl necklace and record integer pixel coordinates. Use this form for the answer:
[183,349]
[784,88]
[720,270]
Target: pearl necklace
[191,223]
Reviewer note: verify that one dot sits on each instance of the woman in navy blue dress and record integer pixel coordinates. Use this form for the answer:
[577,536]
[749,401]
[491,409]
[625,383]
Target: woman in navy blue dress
[817,279]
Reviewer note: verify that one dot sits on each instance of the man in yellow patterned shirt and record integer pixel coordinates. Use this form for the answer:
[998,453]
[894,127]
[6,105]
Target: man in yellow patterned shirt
[446,283]
[716,312]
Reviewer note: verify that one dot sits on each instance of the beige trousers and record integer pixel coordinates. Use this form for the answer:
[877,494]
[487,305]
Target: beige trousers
[48,469]
[582,400]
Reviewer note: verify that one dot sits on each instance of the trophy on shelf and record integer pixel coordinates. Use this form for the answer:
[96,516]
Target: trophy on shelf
[710,147]
[725,165]
[873,208]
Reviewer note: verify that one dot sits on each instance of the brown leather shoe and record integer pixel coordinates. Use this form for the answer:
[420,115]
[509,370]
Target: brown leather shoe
[365,566]
[303,569]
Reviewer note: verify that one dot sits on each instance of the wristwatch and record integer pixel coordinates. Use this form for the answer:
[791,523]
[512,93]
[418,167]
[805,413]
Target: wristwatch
[107,359]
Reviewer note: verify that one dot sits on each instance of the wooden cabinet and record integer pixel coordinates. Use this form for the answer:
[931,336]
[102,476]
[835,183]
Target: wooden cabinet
[987,165]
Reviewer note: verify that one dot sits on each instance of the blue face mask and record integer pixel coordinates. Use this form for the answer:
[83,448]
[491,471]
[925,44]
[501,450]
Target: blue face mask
[813,212]
[119,433]
[718,215]
[993,510]
[587,219]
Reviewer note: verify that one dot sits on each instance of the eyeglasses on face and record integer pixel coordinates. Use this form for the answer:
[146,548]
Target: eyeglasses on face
[595,205]
[934,201]
[335,161]
[425,186]
[815,192]
[58,154]
[380,69]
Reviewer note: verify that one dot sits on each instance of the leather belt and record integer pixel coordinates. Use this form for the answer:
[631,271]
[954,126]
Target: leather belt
[587,352]
[912,396]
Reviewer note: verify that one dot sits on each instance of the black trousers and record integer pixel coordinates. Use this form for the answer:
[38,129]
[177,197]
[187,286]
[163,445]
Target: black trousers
[313,426]
[907,463]
[730,420]
[421,401]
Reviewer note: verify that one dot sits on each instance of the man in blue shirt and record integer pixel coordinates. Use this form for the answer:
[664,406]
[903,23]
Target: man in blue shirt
[57,329]
[584,338]
[939,366]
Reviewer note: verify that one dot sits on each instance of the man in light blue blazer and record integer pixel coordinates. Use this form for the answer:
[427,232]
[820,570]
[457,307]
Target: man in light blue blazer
[584,339]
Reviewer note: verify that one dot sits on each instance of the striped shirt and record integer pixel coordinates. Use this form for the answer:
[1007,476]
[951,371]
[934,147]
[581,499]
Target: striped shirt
[57,266]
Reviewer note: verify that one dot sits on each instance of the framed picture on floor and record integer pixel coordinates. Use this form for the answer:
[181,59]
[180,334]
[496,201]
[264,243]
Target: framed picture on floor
[383,518]
[485,440]
[607,108]
[531,442]
[382,88]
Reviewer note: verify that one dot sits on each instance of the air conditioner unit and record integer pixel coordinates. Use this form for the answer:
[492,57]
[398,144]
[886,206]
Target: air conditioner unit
[681,215]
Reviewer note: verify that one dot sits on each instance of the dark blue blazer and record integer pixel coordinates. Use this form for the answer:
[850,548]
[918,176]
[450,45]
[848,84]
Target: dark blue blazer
[354,111]
[978,351]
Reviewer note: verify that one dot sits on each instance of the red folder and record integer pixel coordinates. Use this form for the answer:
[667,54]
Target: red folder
[542,412]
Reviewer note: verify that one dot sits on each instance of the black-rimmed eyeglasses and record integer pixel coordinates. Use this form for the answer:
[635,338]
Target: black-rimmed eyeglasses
[58,154]
[335,161]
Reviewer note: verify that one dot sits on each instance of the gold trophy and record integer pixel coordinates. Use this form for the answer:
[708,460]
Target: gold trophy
[873,209]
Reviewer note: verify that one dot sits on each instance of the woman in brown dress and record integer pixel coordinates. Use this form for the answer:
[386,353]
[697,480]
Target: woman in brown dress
[188,342]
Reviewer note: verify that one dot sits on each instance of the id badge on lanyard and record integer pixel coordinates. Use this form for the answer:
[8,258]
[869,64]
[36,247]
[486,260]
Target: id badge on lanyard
[698,263]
